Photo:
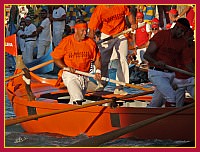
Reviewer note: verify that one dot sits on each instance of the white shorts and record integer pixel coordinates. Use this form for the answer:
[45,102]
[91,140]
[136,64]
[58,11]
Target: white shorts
[76,85]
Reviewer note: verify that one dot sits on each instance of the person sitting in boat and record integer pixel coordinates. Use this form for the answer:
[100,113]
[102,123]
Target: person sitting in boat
[44,34]
[142,35]
[111,20]
[76,52]
[166,48]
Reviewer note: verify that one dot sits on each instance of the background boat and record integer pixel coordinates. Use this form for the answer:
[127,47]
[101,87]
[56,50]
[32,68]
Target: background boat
[42,59]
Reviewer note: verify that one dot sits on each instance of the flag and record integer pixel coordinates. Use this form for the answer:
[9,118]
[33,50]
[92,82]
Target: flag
[12,28]
[11,45]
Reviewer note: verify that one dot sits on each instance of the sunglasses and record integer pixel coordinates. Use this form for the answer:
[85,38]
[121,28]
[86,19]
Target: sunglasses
[154,28]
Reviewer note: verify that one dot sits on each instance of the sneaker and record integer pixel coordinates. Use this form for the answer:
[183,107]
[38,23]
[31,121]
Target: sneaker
[99,87]
[120,92]
[77,103]
[170,104]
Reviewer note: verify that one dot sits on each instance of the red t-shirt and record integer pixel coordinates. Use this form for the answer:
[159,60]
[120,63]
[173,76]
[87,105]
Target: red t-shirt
[141,36]
[77,54]
[188,57]
[170,50]
[109,20]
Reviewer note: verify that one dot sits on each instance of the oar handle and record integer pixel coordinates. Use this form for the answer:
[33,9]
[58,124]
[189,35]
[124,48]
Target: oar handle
[179,70]
[111,80]
[41,65]
[31,69]
[114,36]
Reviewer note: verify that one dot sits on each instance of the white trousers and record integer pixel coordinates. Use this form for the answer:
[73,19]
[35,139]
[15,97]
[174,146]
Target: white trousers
[28,54]
[57,36]
[76,85]
[43,47]
[139,55]
[180,92]
[115,49]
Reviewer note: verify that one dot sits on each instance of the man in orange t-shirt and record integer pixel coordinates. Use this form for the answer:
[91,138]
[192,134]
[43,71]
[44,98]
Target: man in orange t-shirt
[76,52]
[110,20]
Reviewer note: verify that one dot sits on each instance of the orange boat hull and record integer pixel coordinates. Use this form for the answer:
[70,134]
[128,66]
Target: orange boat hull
[97,120]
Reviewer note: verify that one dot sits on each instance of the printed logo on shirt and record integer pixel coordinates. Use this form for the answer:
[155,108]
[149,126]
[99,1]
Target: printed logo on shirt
[143,30]
[79,55]
[114,17]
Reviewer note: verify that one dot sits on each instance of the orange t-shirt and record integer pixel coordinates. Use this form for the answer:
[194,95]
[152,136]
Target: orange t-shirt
[78,55]
[109,20]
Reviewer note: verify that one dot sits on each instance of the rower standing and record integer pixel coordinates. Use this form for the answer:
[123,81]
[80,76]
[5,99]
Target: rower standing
[110,20]
[165,48]
[76,52]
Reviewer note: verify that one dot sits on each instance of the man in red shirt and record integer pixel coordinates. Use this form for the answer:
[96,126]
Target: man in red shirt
[142,35]
[76,52]
[166,48]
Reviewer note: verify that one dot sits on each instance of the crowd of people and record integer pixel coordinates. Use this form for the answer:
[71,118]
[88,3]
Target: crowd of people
[155,41]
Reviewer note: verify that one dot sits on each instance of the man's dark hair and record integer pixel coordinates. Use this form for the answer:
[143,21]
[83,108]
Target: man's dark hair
[184,22]
[80,21]
[44,10]
[98,33]
[22,22]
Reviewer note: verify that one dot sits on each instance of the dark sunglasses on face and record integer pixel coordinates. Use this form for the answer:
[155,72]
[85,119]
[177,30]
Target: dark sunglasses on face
[154,28]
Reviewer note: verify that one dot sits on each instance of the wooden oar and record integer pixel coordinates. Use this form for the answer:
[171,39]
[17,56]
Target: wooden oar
[12,121]
[111,80]
[98,140]
[31,69]
[179,70]
[114,36]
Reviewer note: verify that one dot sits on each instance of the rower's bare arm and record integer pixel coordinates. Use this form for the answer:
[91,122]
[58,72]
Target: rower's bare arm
[148,55]
[91,33]
[132,21]
[98,68]
[60,63]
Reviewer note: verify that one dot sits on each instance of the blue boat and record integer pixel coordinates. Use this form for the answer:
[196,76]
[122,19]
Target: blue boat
[40,60]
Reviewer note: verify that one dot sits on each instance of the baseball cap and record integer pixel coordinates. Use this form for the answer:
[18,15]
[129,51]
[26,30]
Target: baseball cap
[28,18]
[173,11]
[155,20]
[154,26]
[139,15]
[168,26]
